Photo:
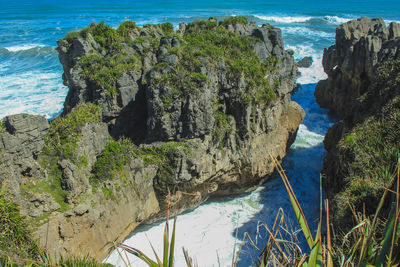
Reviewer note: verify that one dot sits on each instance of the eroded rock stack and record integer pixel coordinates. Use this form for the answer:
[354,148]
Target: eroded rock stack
[363,70]
[150,110]
[350,63]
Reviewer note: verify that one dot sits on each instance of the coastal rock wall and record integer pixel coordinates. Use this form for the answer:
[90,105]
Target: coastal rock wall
[350,63]
[217,89]
[47,170]
[150,111]
[363,146]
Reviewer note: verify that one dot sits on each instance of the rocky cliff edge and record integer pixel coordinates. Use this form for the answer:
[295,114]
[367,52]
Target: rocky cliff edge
[197,111]
[363,89]
[351,61]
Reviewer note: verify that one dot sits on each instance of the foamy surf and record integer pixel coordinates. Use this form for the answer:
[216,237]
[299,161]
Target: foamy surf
[208,230]
[303,19]
[32,92]
[314,73]
[309,32]
[336,19]
[23,47]
[283,19]
[307,138]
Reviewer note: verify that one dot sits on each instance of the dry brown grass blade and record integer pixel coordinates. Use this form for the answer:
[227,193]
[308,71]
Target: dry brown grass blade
[190,262]
[120,255]
[302,260]
[397,209]
[329,262]
[267,249]
[277,244]
[234,246]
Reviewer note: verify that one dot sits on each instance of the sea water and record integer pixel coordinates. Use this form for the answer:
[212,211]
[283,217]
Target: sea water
[31,82]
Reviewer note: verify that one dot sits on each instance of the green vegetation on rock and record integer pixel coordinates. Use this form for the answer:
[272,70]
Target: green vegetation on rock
[223,127]
[126,28]
[109,61]
[235,20]
[372,148]
[61,140]
[206,44]
[2,127]
[61,143]
[117,155]
[112,160]
[15,234]
[105,71]
[167,28]
[101,33]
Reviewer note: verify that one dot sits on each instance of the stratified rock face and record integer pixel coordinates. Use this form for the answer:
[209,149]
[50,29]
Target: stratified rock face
[198,112]
[172,83]
[21,140]
[363,147]
[47,170]
[350,62]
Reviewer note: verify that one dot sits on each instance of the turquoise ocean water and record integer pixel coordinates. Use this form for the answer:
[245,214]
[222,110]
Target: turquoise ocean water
[30,82]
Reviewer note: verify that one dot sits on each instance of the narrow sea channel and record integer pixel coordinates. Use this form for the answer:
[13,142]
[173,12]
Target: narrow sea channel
[209,231]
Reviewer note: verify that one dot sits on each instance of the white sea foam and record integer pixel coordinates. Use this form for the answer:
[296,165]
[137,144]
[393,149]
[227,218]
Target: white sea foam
[302,19]
[316,71]
[305,138]
[388,21]
[214,234]
[17,48]
[304,31]
[283,19]
[337,20]
[32,92]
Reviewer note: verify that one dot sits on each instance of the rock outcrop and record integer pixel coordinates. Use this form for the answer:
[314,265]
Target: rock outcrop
[47,169]
[150,111]
[350,63]
[364,89]
[305,62]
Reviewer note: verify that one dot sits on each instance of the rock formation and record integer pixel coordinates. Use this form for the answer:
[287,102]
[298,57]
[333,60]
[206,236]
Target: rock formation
[150,111]
[362,88]
[305,62]
[350,63]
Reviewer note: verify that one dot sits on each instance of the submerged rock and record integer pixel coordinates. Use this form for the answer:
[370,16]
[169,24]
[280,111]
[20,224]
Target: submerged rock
[305,62]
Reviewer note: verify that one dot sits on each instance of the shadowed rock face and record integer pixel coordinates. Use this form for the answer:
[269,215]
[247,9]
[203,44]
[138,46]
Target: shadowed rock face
[198,111]
[363,89]
[351,61]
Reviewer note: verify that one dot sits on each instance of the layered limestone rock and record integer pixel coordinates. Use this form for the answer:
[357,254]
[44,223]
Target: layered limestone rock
[47,170]
[151,111]
[350,62]
[362,147]
[224,88]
